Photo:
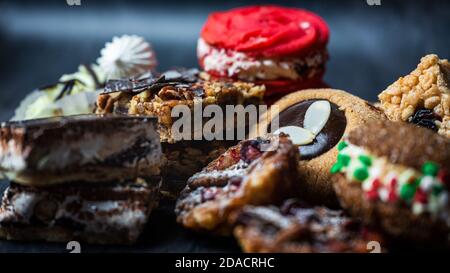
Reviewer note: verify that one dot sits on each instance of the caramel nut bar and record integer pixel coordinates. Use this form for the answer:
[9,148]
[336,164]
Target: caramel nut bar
[245,174]
[157,97]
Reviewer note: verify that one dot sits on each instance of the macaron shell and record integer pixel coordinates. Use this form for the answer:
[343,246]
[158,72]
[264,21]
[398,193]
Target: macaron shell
[266,31]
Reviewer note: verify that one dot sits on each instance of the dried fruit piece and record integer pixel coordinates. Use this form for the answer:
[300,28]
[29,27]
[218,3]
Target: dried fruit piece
[425,118]
[250,151]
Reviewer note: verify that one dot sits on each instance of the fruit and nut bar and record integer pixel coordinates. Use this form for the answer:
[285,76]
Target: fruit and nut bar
[422,97]
[296,227]
[259,171]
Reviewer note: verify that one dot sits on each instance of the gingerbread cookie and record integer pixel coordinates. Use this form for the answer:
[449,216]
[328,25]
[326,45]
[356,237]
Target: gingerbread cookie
[260,171]
[396,175]
[422,97]
[316,120]
[296,227]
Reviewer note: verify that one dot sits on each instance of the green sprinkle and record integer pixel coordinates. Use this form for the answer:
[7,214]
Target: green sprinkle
[430,168]
[341,145]
[361,174]
[366,160]
[336,167]
[407,192]
[437,189]
[343,159]
[416,182]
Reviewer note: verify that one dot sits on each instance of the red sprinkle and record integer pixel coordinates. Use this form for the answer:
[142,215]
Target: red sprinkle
[376,184]
[393,183]
[372,195]
[392,197]
[421,196]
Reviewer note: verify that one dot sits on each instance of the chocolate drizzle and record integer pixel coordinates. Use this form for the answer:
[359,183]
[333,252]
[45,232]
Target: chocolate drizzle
[93,75]
[151,82]
[326,139]
[67,88]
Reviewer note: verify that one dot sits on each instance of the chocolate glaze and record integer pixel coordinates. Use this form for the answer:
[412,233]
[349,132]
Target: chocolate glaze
[327,138]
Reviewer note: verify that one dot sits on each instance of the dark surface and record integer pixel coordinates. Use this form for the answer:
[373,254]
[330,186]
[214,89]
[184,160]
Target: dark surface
[370,47]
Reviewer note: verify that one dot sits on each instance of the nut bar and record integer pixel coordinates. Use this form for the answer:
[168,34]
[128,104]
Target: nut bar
[113,213]
[79,148]
[158,96]
[422,97]
[255,172]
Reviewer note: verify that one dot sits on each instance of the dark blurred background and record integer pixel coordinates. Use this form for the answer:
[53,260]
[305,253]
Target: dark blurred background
[370,46]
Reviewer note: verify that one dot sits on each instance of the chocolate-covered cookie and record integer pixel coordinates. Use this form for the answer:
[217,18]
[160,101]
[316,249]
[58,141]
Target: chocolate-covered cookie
[396,175]
[316,120]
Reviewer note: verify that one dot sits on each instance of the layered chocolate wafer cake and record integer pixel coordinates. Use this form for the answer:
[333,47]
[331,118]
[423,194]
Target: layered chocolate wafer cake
[93,178]
[86,147]
[113,213]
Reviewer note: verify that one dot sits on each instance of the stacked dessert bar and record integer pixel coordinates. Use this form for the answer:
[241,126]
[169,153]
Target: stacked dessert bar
[89,178]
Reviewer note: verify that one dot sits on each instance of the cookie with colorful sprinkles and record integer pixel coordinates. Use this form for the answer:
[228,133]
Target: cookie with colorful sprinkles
[396,176]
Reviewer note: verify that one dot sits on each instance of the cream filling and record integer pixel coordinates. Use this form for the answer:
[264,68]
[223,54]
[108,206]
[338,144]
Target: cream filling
[108,213]
[81,100]
[244,67]
[92,148]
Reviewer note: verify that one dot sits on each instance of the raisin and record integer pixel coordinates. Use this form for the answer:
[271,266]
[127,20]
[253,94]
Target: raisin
[425,118]
[235,181]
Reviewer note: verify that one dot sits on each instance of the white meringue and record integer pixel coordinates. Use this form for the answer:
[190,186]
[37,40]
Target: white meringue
[127,56]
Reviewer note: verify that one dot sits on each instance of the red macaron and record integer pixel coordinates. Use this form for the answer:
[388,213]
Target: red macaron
[283,48]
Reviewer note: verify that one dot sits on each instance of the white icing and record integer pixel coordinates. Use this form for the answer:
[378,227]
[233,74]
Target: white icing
[12,156]
[23,204]
[272,215]
[80,100]
[233,63]
[121,217]
[127,56]
[238,169]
